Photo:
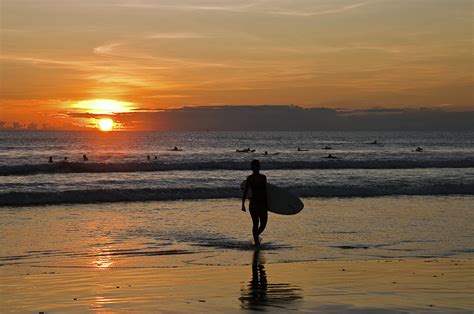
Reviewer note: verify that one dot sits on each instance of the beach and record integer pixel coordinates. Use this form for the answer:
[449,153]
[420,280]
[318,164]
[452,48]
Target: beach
[377,254]
[443,285]
[384,228]
[209,156]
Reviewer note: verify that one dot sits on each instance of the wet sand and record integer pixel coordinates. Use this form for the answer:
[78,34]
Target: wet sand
[390,254]
[339,286]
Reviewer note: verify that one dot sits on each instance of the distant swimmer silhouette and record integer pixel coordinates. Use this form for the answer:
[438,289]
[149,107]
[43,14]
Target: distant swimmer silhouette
[330,156]
[176,149]
[258,206]
[266,153]
[84,158]
[65,159]
[327,147]
[156,157]
[50,159]
[301,150]
[148,157]
[246,150]
[374,142]
[419,149]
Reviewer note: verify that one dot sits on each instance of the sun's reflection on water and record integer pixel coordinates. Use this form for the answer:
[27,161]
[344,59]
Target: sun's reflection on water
[102,259]
[101,304]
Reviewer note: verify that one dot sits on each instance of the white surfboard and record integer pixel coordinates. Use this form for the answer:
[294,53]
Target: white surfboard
[280,201]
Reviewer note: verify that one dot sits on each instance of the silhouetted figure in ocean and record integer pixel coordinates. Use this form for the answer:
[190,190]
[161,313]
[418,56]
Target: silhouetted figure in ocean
[156,157]
[50,159]
[246,150]
[258,206]
[330,156]
[327,147]
[148,157]
[301,150]
[176,149]
[268,154]
[65,159]
[374,143]
[84,158]
[419,149]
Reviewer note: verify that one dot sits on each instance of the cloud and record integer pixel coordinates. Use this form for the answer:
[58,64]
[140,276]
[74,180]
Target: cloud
[265,7]
[192,5]
[54,63]
[289,118]
[32,126]
[179,35]
[336,10]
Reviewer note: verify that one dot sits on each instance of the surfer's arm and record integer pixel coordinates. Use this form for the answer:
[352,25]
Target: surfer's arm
[265,192]
[244,196]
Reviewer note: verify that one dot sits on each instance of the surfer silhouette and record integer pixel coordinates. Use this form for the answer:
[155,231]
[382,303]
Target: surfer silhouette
[258,206]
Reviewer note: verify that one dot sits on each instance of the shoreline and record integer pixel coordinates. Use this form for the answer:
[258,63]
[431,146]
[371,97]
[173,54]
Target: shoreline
[393,286]
[378,255]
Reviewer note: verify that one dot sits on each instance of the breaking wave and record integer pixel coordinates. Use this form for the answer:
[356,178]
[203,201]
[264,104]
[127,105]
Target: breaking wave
[167,194]
[80,167]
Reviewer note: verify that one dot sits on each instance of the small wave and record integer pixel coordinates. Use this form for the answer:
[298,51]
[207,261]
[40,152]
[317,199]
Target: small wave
[241,245]
[351,247]
[169,194]
[81,167]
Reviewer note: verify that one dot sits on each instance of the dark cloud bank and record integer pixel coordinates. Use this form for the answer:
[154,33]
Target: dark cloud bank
[294,118]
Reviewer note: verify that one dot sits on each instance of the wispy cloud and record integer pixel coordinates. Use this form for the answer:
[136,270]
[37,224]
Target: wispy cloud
[260,7]
[193,5]
[335,10]
[178,35]
[51,62]
[107,49]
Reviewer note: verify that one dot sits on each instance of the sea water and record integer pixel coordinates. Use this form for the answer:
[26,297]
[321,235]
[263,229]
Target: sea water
[208,165]
[120,209]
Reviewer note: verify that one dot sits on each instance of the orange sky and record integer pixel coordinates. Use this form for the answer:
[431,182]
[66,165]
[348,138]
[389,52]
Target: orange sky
[57,56]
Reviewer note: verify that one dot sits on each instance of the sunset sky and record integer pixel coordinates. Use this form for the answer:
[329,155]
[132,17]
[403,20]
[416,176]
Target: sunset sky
[67,63]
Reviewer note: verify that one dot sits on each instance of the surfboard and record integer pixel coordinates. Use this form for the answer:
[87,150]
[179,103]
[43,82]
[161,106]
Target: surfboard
[280,201]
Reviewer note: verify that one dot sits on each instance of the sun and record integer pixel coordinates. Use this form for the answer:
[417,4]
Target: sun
[106,124]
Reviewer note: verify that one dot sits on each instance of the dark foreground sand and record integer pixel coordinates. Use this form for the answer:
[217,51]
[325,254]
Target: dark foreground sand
[393,286]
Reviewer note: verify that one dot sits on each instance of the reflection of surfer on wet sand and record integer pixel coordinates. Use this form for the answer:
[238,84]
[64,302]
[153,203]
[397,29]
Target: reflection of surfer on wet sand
[260,294]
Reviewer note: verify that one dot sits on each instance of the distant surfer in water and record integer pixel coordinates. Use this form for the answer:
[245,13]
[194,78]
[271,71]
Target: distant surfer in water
[258,206]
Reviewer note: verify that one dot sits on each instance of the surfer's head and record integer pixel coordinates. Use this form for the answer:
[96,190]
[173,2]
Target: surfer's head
[255,165]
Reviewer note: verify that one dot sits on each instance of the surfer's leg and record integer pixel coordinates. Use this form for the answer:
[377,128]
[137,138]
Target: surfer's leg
[263,221]
[254,215]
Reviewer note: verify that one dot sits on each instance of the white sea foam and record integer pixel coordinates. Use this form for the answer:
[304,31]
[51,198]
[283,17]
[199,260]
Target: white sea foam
[165,194]
[81,167]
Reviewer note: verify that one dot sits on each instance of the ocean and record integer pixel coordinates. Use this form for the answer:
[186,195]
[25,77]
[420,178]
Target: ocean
[208,166]
[119,209]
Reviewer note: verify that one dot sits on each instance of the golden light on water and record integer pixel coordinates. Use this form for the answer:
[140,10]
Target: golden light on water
[106,124]
[102,260]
